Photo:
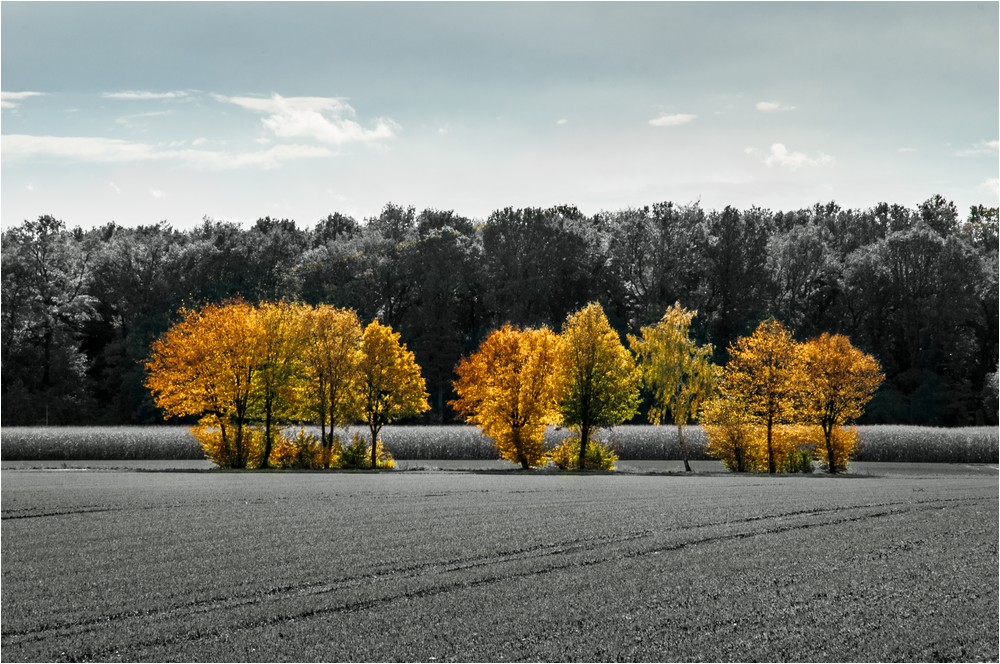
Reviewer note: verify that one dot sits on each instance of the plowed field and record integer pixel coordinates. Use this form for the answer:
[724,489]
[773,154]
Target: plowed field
[435,566]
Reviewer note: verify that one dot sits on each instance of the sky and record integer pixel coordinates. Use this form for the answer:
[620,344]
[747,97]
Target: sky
[142,112]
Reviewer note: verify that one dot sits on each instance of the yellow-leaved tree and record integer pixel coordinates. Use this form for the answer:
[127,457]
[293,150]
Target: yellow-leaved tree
[598,376]
[389,381]
[332,356]
[679,372]
[207,365]
[281,374]
[839,381]
[509,389]
[763,375]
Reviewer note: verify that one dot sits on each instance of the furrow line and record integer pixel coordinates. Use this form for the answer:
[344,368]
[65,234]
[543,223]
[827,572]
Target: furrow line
[458,585]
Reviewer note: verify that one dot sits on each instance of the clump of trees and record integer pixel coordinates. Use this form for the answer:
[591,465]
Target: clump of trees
[780,403]
[520,381]
[246,370]
[775,406]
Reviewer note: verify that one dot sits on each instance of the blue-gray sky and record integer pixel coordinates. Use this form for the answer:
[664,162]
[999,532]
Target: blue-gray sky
[139,112]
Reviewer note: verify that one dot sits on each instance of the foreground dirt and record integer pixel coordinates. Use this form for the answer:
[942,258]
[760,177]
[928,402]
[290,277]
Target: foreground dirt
[435,566]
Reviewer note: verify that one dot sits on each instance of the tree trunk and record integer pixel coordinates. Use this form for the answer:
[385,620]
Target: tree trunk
[684,447]
[770,447]
[520,450]
[267,434]
[831,465]
[374,429]
[584,439]
[323,442]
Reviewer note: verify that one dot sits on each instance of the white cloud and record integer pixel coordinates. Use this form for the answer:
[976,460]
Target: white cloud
[12,99]
[115,188]
[128,120]
[672,120]
[991,185]
[325,119]
[269,158]
[772,106]
[156,193]
[561,121]
[142,95]
[780,156]
[109,150]
[980,149]
[442,130]
[75,147]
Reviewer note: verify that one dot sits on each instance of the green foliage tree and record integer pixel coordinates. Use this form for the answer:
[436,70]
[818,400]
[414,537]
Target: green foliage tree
[679,372]
[600,382]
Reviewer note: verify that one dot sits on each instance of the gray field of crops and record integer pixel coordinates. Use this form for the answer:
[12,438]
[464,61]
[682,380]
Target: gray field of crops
[435,566]
[455,442]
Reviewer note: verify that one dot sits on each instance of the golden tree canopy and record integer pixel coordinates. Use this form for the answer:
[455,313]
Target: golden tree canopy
[839,380]
[332,355]
[509,388]
[600,382]
[208,362]
[389,380]
[763,373]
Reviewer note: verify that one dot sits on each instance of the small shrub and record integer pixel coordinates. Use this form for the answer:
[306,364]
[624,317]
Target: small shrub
[227,453]
[566,455]
[301,451]
[794,447]
[359,453]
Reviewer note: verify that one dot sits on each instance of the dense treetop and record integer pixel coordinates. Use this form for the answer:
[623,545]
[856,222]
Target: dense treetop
[916,288]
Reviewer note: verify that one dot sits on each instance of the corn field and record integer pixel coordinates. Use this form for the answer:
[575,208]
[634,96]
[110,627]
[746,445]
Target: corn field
[631,442]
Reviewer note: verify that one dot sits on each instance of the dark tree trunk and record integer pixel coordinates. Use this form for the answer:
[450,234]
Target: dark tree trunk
[684,447]
[374,430]
[770,447]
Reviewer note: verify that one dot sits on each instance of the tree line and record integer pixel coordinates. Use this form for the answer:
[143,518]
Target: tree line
[914,287]
[248,370]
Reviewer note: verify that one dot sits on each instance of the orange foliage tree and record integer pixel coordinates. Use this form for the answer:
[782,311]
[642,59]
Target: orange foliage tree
[389,381]
[600,382]
[764,373]
[207,365]
[839,381]
[508,388]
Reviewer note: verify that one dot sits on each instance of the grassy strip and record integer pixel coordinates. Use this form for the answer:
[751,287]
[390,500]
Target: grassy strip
[634,442]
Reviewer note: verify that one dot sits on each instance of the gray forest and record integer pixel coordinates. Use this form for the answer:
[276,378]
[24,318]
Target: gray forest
[915,287]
